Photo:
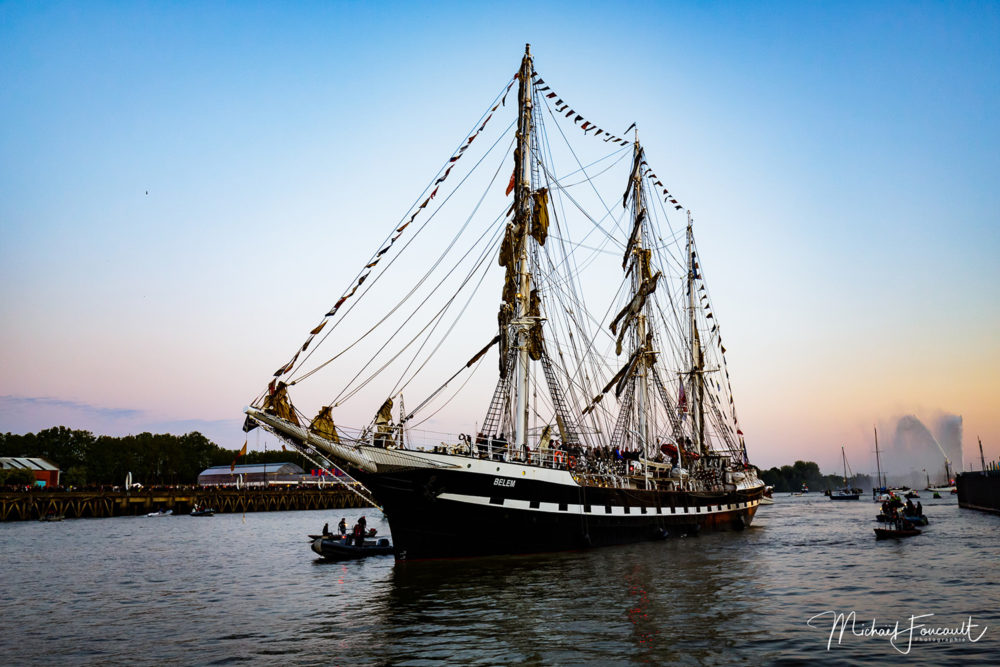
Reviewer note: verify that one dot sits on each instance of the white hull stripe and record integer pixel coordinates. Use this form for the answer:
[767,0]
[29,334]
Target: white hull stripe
[596,510]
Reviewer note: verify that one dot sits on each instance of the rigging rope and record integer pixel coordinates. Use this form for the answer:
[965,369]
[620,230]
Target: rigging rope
[362,275]
[408,295]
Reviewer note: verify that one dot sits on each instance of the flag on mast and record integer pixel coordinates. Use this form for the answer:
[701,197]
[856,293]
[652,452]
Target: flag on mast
[243,452]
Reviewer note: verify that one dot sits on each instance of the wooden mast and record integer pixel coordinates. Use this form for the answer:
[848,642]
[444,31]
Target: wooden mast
[844,455]
[878,462]
[522,207]
[637,279]
[695,353]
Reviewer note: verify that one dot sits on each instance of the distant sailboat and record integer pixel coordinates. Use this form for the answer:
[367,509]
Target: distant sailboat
[845,493]
[949,484]
[880,493]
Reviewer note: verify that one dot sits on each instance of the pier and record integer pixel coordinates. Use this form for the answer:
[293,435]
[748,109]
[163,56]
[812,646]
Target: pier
[33,505]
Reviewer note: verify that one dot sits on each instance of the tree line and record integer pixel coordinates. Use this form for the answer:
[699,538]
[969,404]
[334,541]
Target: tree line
[152,458]
[167,459]
[791,478]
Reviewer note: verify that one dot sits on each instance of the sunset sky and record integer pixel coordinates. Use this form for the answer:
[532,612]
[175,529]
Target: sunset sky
[185,187]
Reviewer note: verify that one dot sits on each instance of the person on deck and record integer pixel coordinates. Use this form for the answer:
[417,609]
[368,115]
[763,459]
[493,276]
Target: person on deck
[326,529]
[499,447]
[342,526]
[364,525]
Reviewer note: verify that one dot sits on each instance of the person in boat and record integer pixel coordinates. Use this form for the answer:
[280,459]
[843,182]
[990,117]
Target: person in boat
[920,509]
[342,526]
[326,529]
[357,537]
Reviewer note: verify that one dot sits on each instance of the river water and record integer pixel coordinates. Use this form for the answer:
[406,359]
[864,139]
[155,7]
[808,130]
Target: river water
[247,589]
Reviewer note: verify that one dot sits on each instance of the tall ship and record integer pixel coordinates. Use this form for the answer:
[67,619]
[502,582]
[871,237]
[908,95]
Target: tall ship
[562,329]
[980,490]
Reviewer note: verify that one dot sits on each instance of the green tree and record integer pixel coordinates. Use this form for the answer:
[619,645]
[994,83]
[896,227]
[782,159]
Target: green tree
[19,477]
[75,476]
[151,458]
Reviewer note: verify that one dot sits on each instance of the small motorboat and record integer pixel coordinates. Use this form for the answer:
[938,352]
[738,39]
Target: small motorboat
[202,511]
[51,516]
[886,533]
[911,494]
[916,520]
[161,513]
[335,547]
[371,533]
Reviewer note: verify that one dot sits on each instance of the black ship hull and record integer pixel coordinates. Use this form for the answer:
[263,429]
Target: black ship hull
[448,513]
[979,490]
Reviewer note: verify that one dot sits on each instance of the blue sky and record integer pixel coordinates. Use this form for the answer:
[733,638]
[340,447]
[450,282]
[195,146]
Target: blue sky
[840,160]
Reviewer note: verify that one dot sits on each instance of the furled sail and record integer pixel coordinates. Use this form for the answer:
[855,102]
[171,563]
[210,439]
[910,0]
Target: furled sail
[634,236]
[504,318]
[633,179]
[540,215]
[383,425]
[546,438]
[323,426]
[628,314]
[618,380]
[535,342]
[278,403]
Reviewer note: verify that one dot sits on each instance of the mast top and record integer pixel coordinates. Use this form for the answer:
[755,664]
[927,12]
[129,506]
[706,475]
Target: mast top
[527,49]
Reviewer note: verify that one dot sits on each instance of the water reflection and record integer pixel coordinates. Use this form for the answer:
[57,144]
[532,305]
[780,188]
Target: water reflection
[624,604]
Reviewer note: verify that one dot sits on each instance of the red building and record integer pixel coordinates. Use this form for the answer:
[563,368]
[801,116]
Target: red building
[45,472]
